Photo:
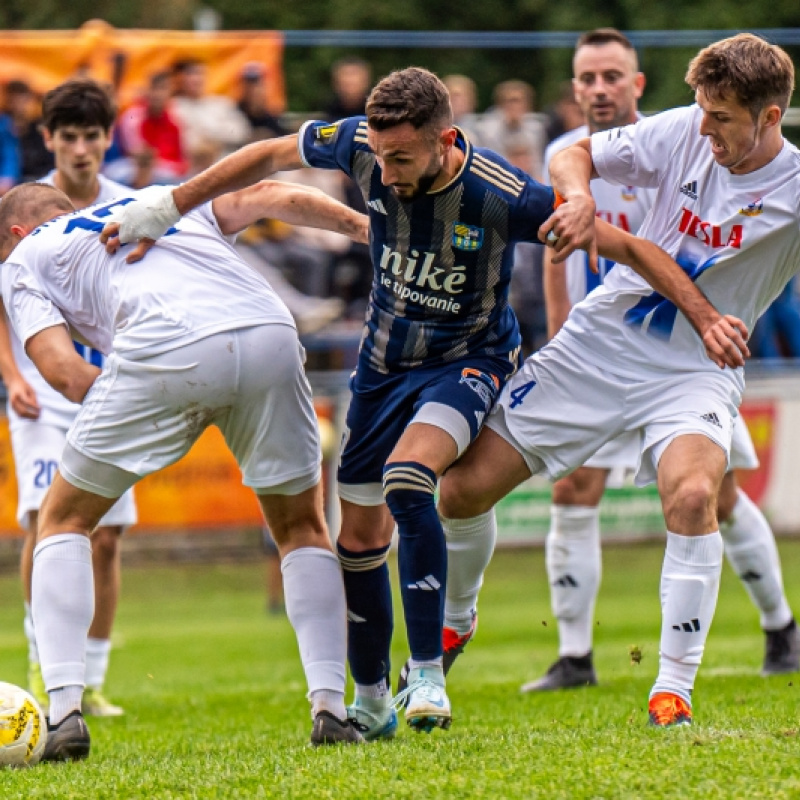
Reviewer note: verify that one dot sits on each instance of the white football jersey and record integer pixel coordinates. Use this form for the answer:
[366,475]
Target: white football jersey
[192,284]
[622,206]
[55,408]
[737,236]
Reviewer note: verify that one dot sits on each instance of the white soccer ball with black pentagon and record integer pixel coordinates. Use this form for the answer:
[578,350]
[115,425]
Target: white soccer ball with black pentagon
[23,728]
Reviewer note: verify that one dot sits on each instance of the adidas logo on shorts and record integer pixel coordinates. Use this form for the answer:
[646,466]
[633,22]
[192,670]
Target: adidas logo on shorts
[712,418]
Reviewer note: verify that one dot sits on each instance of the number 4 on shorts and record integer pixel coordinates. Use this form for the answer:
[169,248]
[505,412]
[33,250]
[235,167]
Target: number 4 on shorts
[518,394]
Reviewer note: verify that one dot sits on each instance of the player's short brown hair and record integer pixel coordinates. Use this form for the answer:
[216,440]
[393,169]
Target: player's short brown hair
[601,36]
[746,68]
[82,102]
[412,95]
[29,203]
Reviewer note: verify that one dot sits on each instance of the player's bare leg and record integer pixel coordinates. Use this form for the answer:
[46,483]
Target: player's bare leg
[751,550]
[689,476]
[315,605]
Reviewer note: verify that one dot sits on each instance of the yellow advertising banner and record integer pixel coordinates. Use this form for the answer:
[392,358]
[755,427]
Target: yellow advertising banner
[127,58]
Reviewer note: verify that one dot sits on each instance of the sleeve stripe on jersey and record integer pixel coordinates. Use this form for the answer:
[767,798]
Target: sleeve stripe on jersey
[361,133]
[497,170]
[506,187]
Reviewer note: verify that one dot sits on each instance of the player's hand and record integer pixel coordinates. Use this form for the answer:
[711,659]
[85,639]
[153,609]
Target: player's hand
[22,397]
[726,342]
[110,238]
[148,217]
[571,228]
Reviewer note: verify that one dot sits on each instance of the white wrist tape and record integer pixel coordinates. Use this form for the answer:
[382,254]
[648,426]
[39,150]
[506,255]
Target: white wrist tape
[150,216]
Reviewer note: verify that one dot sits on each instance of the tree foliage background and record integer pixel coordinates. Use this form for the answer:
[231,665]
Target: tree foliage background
[307,69]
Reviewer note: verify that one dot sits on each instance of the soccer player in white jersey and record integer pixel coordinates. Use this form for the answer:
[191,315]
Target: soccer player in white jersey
[77,125]
[726,209]
[193,337]
[437,347]
[607,84]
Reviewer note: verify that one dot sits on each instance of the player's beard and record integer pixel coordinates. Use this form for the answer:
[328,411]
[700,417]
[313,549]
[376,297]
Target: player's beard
[424,183]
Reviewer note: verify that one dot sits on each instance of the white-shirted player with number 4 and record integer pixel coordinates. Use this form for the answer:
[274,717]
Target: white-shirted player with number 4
[607,85]
[193,337]
[77,118]
[727,186]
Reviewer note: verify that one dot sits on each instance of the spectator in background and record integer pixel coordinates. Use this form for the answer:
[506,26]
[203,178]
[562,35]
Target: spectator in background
[526,294]
[565,115]
[351,80]
[777,333]
[463,101]
[22,106]
[511,119]
[212,124]
[253,103]
[152,139]
[9,154]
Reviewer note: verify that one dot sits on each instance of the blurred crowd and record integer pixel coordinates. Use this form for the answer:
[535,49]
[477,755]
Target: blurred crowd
[176,128]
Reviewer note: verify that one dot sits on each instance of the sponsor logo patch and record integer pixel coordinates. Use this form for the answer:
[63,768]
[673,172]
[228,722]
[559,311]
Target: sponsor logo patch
[467,237]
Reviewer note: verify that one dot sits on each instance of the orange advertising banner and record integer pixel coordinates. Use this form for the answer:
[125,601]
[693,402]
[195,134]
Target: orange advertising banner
[127,58]
[202,490]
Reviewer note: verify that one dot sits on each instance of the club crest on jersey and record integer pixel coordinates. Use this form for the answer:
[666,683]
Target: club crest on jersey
[486,386]
[629,193]
[467,237]
[325,133]
[753,210]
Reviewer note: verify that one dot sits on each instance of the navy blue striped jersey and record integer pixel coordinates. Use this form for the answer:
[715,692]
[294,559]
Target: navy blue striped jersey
[442,262]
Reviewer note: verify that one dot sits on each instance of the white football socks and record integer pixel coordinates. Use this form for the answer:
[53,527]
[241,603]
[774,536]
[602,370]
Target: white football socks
[98,652]
[30,635]
[316,608]
[470,544]
[574,568]
[752,552]
[63,608]
[689,587]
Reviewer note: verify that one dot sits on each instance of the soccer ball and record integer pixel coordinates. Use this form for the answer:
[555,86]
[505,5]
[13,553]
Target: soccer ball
[23,728]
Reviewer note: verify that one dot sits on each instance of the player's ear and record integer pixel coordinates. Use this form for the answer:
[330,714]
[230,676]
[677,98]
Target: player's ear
[48,138]
[639,81]
[771,116]
[447,138]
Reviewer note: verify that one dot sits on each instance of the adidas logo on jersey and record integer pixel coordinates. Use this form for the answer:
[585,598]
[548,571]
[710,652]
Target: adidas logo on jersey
[690,189]
[566,581]
[377,205]
[712,418]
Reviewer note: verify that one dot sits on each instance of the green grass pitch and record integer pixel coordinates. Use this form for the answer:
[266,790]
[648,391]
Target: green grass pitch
[215,700]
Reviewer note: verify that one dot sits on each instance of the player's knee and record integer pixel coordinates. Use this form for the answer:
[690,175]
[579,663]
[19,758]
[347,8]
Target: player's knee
[565,492]
[408,487]
[692,498]
[460,500]
[105,543]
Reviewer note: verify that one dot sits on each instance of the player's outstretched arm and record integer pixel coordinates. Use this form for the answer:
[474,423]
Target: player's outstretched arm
[159,207]
[556,295]
[572,223]
[724,337]
[54,355]
[291,203]
[21,395]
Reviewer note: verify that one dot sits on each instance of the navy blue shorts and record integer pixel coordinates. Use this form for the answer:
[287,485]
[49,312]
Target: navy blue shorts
[382,406]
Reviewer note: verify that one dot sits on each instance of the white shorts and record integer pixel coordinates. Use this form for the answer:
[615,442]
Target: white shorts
[37,451]
[622,453]
[141,416]
[743,451]
[559,409]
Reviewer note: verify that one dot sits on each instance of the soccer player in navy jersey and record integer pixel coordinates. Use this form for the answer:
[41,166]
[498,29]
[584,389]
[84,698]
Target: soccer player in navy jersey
[439,343]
